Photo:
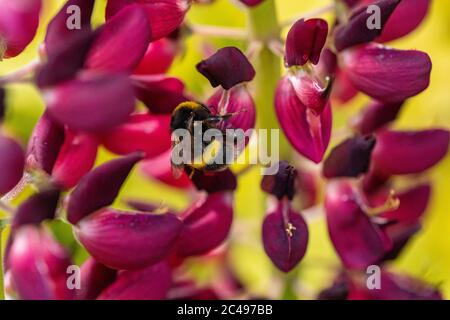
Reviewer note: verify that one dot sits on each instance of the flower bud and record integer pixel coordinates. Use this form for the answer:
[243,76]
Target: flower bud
[19,21]
[407,152]
[142,132]
[45,144]
[100,187]
[305,41]
[76,158]
[227,68]
[12,163]
[386,74]
[351,158]
[128,240]
[206,224]
[356,31]
[37,208]
[282,183]
[285,237]
[309,134]
[151,283]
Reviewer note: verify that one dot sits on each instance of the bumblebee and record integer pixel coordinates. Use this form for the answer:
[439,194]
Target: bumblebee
[211,157]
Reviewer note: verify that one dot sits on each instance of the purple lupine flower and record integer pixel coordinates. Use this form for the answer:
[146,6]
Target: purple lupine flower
[19,21]
[283,183]
[12,162]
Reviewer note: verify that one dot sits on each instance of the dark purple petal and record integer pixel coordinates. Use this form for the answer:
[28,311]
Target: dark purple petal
[309,134]
[305,41]
[395,287]
[240,103]
[357,240]
[12,164]
[45,144]
[122,41]
[405,19]
[37,208]
[375,116]
[206,224]
[285,237]
[66,61]
[386,74]
[128,240]
[214,181]
[95,277]
[407,152]
[142,132]
[38,266]
[351,158]
[100,187]
[58,32]
[151,283]
[160,93]
[227,68]
[164,16]
[282,183]
[19,21]
[93,102]
[356,31]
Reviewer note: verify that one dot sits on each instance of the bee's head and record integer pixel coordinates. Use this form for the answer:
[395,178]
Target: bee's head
[187,112]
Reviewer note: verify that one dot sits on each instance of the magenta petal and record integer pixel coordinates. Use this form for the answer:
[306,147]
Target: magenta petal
[240,102]
[387,74]
[12,164]
[100,187]
[37,208]
[160,169]
[45,144]
[151,283]
[305,41]
[128,240]
[158,58]
[405,19]
[350,158]
[160,93]
[76,158]
[343,90]
[206,224]
[356,31]
[375,116]
[285,238]
[164,16]
[309,134]
[227,68]
[142,132]
[407,152]
[91,103]
[357,240]
[38,265]
[57,31]
[95,277]
[19,21]
[122,42]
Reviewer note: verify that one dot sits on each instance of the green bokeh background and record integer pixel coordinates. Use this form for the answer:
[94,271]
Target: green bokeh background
[428,254]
